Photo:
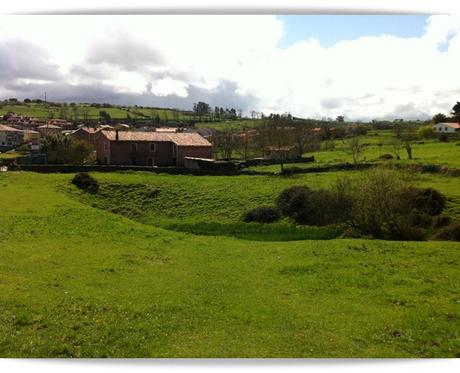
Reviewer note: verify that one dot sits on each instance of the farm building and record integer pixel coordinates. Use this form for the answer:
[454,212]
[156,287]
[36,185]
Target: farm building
[150,148]
[87,134]
[10,137]
[48,129]
[284,152]
[32,138]
[447,127]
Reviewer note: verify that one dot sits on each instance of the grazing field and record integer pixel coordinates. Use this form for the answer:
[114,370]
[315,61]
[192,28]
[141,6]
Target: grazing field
[120,113]
[424,152]
[79,280]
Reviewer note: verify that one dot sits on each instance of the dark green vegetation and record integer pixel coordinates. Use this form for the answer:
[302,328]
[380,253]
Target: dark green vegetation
[61,149]
[262,214]
[86,182]
[82,281]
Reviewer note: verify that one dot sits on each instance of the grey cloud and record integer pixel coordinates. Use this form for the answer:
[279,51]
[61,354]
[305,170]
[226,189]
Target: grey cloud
[224,95]
[409,110]
[23,60]
[124,51]
[331,103]
[93,72]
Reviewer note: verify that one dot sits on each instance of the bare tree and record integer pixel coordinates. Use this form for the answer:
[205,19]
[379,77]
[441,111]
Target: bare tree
[225,143]
[396,146]
[355,148]
[280,137]
[408,138]
[243,143]
[304,139]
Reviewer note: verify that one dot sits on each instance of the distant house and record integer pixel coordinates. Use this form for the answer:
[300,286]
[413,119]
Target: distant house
[447,127]
[150,148]
[10,137]
[32,138]
[87,134]
[48,129]
[62,123]
[284,152]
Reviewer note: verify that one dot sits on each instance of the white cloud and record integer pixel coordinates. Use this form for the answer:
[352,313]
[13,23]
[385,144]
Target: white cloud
[369,77]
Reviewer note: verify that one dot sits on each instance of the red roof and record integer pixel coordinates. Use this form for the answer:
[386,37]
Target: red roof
[50,126]
[180,139]
[452,125]
[86,129]
[8,128]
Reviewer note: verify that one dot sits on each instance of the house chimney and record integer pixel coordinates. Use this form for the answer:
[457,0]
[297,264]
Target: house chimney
[116,135]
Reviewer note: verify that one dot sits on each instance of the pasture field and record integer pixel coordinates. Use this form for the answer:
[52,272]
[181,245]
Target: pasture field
[423,152]
[118,113]
[78,280]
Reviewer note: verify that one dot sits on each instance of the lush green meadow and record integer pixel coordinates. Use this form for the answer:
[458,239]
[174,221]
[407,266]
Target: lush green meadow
[79,280]
[423,152]
[119,113]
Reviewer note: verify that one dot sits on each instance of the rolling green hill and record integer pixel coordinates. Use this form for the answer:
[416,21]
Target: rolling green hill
[78,280]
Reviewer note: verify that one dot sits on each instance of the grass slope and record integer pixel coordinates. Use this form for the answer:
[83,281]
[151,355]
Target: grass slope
[424,152]
[79,281]
[120,113]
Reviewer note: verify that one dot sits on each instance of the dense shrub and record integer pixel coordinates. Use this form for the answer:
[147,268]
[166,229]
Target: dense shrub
[289,171]
[449,233]
[263,214]
[426,132]
[293,201]
[319,207]
[428,200]
[441,221]
[386,156]
[61,149]
[443,137]
[85,182]
[377,205]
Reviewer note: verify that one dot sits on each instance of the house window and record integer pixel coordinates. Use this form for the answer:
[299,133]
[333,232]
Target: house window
[105,146]
[152,148]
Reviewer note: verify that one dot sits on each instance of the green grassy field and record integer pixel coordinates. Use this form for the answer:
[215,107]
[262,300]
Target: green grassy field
[119,113]
[428,152]
[78,280]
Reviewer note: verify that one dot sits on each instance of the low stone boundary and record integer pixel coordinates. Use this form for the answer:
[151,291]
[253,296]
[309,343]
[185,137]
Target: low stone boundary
[112,168]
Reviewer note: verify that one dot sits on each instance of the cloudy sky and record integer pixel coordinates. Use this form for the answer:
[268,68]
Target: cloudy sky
[363,67]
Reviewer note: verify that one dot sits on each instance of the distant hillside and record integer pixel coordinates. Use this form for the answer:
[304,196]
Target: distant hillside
[81,112]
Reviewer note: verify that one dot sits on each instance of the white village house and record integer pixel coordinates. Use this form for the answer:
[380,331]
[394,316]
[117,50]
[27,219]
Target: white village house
[447,127]
[10,137]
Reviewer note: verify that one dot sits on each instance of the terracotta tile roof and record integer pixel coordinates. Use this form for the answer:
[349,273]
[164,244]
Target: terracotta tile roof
[8,128]
[49,126]
[166,129]
[180,139]
[86,129]
[452,125]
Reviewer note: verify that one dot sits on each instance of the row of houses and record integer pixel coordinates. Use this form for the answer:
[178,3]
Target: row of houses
[121,146]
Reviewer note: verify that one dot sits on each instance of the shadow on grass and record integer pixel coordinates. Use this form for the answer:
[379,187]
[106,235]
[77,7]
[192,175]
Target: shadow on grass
[258,232]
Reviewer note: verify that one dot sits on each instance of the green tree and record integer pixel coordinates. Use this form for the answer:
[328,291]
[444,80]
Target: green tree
[456,111]
[439,118]
[201,109]
[61,149]
[426,132]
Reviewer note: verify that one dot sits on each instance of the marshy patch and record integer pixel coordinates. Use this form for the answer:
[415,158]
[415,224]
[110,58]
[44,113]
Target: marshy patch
[298,270]
[258,231]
